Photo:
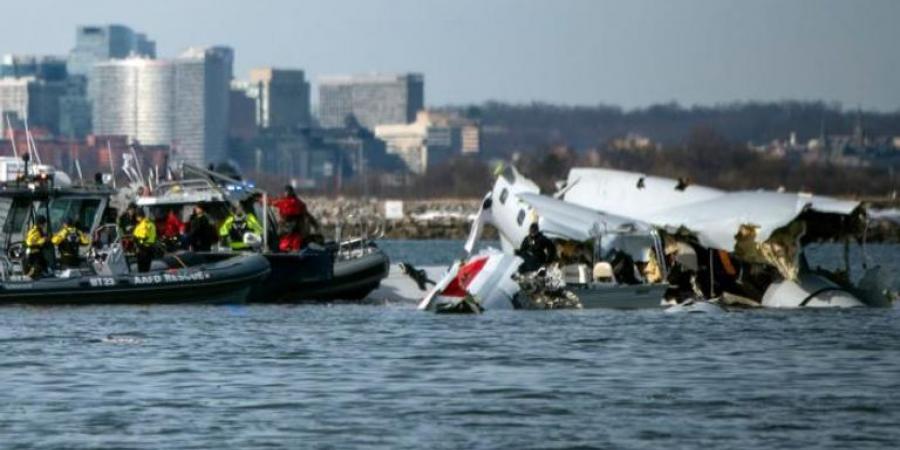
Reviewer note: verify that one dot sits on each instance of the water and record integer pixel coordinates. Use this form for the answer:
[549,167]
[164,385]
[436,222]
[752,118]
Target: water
[387,376]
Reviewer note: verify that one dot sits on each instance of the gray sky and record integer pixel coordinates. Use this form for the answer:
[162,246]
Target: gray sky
[630,53]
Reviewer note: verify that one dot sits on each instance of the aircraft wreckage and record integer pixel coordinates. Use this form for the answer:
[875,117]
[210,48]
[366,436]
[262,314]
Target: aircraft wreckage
[628,240]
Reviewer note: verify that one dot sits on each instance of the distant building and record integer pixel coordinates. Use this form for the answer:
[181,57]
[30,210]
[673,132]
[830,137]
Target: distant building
[634,141]
[202,83]
[31,88]
[241,112]
[282,97]
[31,99]
[371,100]
[48,68]
[75,109]
[431,139]
[181,102]
[94,44]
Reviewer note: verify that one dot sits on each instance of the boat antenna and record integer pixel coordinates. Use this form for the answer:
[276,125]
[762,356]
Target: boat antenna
[78,168]
[112,164]
[12,135]
[137,163]
[32,146]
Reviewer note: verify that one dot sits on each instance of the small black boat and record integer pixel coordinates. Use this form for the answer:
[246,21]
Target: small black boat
[347,270]
[174,279]
[314,274]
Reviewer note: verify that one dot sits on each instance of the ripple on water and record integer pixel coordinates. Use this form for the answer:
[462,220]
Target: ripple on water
[364,376]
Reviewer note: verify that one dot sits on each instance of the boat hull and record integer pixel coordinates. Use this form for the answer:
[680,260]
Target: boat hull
[226,281]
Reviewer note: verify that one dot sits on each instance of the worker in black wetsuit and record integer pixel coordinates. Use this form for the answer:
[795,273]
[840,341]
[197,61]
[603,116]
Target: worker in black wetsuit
[537,250]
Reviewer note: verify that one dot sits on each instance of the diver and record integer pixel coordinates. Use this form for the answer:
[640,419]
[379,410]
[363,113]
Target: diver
[236,226]
[537,250]
[35,241]
[144,240]
[68,240]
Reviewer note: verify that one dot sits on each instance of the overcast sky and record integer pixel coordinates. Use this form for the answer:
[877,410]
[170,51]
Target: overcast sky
[629,53]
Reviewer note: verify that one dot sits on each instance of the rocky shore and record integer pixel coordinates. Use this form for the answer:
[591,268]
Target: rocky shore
[448,218]
[407,219]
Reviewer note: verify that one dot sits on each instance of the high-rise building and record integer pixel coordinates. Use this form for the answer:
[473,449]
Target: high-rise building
[282,97]
[49,68]
[32,99]
[95,44]
[181,102]
[202,83]
[371,100]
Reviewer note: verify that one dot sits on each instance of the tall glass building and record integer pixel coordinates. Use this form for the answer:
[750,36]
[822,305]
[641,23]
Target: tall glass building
[371,100]
[181,102]
[95,44]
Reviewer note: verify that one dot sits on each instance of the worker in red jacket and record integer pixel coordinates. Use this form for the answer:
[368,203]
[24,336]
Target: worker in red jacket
[295,220]
[290,207]
[171,231]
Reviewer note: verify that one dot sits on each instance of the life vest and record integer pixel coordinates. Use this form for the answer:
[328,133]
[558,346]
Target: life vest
[238,228]
[69,239]
[35,240]
[145,232]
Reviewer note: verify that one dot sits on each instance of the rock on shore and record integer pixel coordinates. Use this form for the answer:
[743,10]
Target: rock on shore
[419,219]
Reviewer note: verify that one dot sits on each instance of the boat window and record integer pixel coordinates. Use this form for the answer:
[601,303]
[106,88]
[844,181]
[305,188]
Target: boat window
[59,209]
[521,218]
[503,194]
[87,211]
[15,218]
[83,211]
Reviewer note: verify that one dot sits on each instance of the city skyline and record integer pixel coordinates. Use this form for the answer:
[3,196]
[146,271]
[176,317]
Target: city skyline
[575,52]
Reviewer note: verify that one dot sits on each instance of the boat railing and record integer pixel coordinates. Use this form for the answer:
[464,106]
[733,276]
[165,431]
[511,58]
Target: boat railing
[7,268]
[355,235]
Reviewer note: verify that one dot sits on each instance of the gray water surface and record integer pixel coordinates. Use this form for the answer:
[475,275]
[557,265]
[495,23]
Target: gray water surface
[386,376]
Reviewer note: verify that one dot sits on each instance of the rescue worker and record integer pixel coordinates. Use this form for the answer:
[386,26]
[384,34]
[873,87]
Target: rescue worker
[200,232]
[290,207]
[292,241]
[35,241]
[236,226]
[171,230]
[126,223]
[68,240]
[295,217]
[537,250]
[144,240]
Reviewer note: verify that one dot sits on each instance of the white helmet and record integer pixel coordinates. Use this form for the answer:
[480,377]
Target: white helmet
[252,240]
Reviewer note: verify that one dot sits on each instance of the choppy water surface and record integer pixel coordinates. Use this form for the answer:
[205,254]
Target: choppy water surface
[386,376]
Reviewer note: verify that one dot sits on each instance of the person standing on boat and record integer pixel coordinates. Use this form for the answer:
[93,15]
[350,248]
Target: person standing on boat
[144,240]
[236,226]
[127,223]
[35,241]
[537,250]
[68,240]
[171,230]
[296,221]
[200,232]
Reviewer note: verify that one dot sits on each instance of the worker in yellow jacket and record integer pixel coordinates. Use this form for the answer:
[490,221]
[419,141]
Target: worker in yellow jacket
[145,241]
[68,240]
[35,263]
[237,226]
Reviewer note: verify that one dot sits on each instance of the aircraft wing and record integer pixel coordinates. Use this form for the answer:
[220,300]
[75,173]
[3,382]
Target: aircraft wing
[714,216]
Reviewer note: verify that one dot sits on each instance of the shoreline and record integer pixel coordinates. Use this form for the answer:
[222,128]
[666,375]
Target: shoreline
[444,218]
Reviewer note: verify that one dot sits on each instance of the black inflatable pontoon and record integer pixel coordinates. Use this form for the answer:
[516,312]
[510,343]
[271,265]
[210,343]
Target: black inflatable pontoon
[183,279]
